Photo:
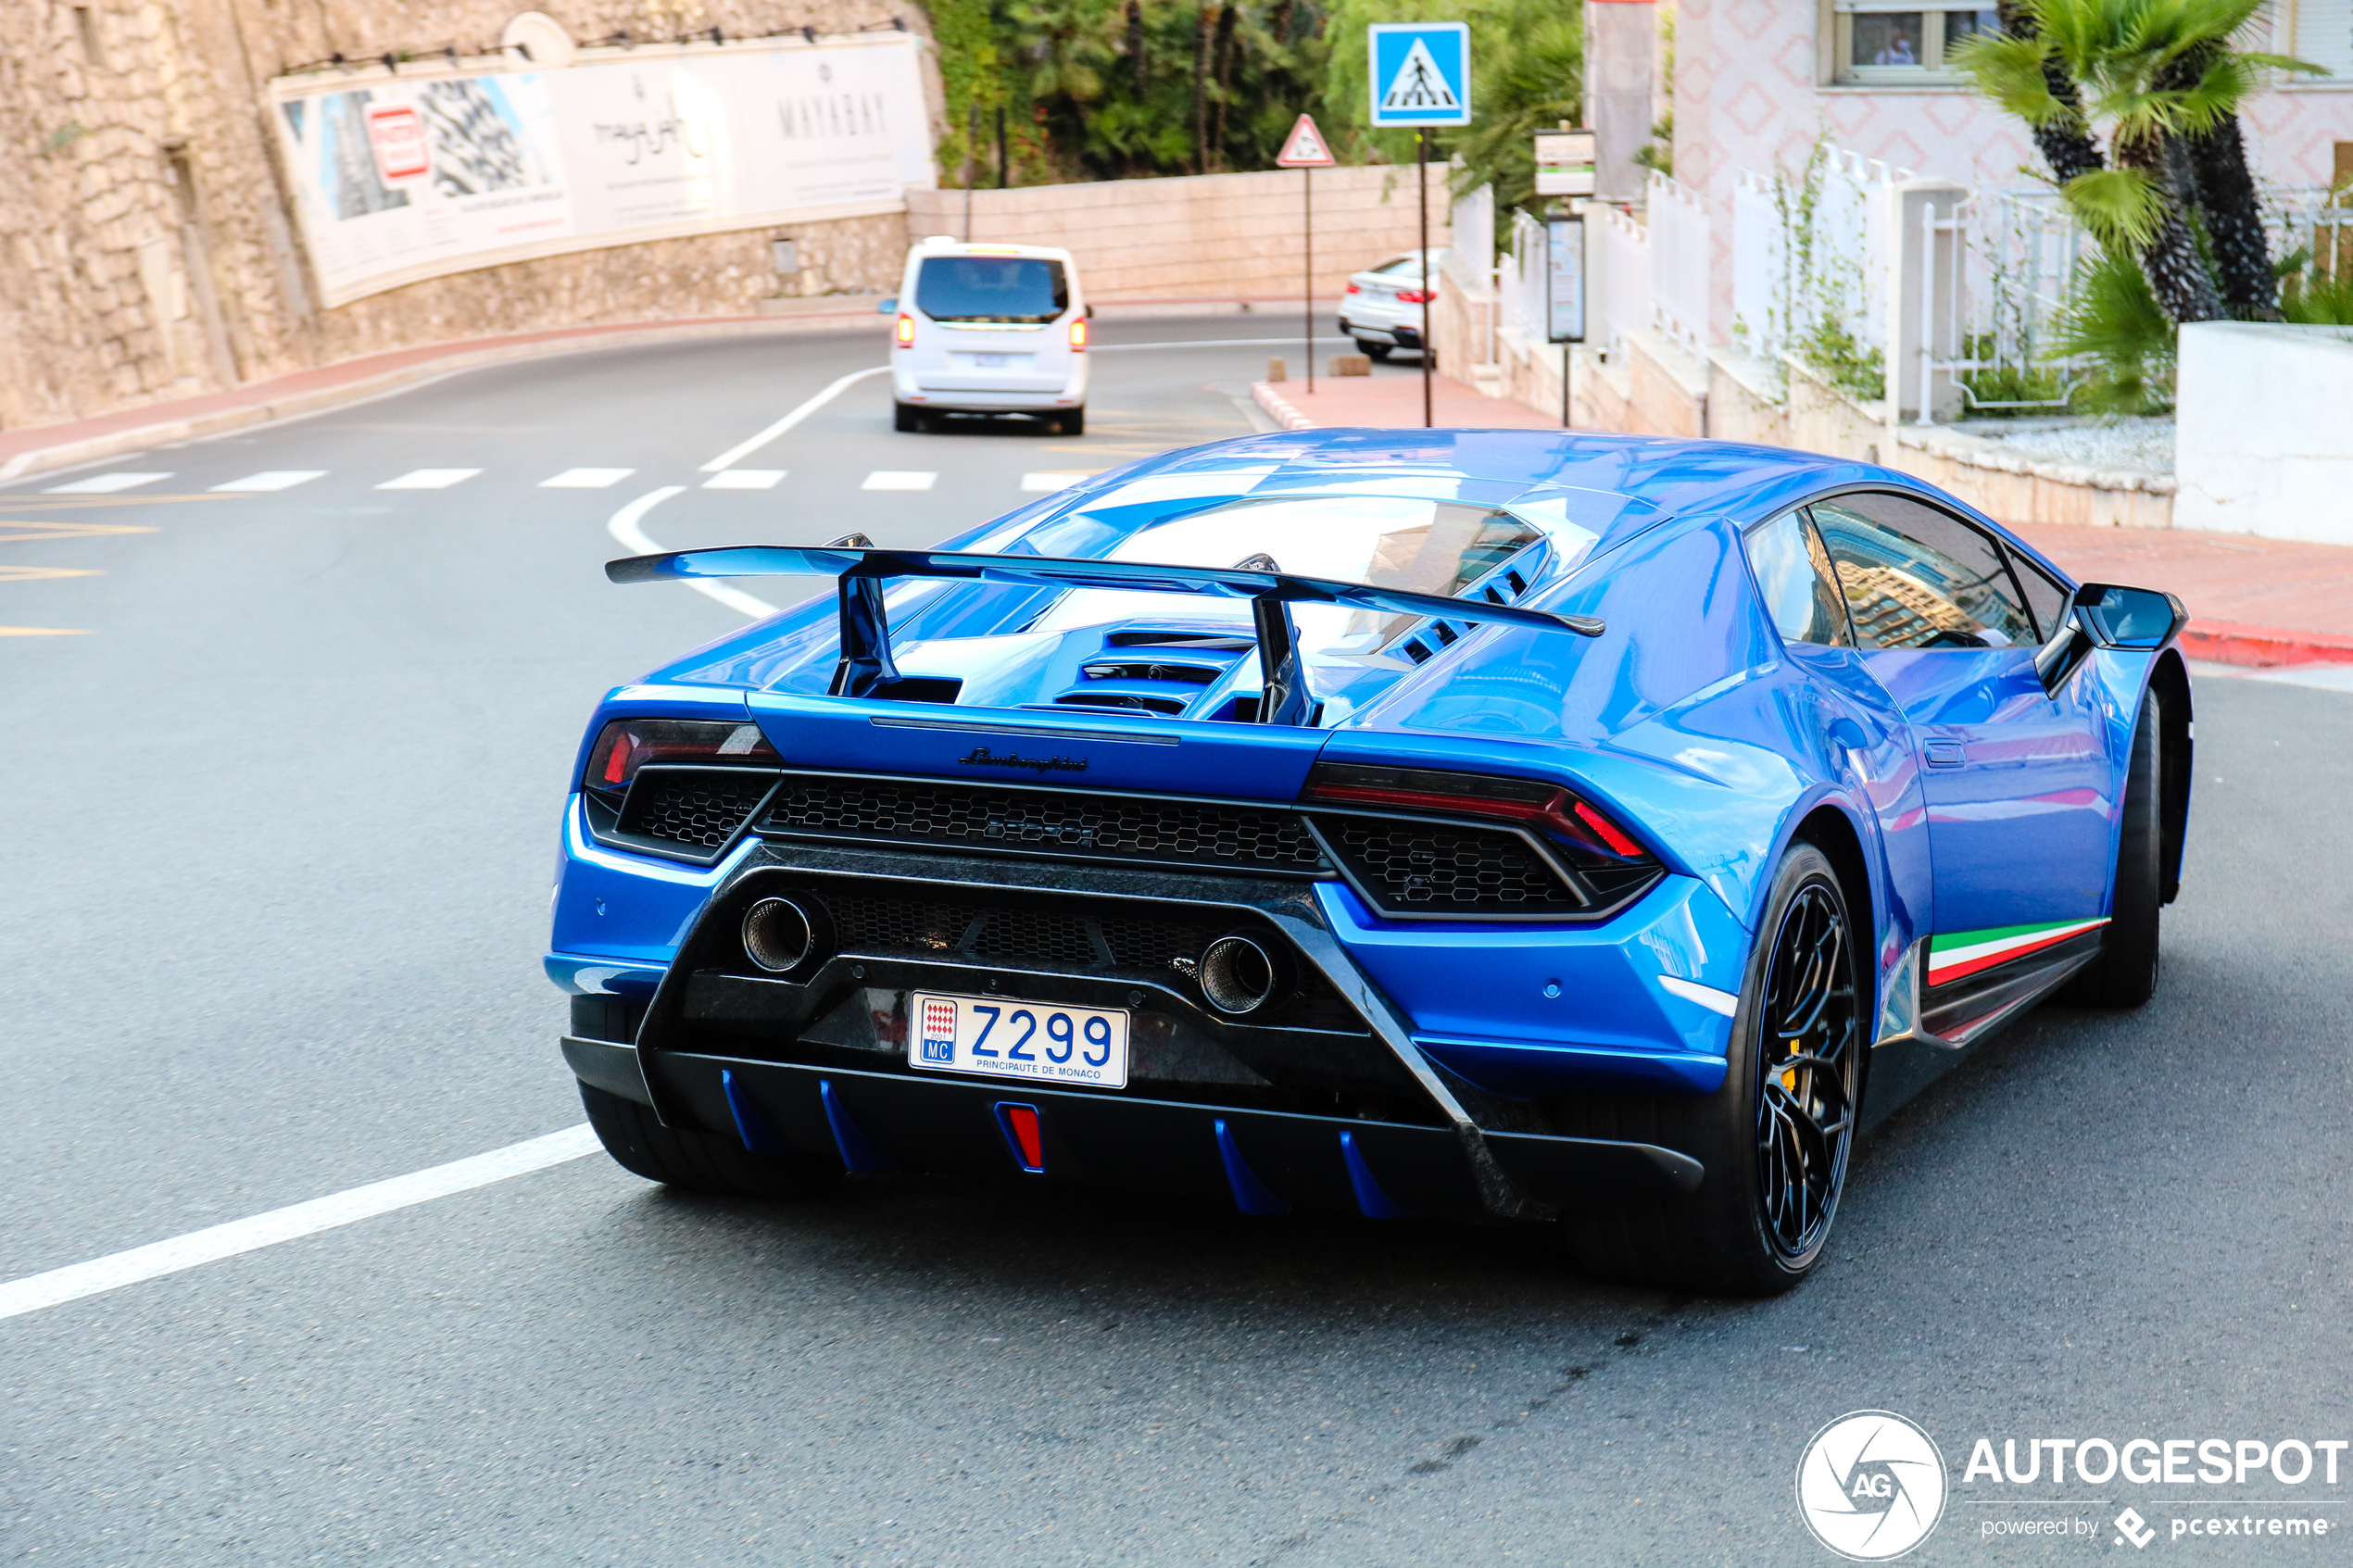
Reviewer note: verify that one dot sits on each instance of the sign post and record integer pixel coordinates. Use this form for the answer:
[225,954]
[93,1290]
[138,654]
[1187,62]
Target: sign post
[1305,151]
[1564,168]
[1421,77]
[1564,293]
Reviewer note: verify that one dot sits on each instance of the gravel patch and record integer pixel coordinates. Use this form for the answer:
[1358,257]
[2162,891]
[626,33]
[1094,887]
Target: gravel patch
[2131,442]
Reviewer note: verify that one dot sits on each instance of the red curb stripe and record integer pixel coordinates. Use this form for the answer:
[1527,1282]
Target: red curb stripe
[2231,642]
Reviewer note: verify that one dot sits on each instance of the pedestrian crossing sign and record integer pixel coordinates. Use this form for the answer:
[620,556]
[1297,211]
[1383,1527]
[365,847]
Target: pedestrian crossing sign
[1421,73]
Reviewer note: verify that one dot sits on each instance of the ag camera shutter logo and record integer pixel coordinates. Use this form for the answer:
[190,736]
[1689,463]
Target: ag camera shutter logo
[1870,1486]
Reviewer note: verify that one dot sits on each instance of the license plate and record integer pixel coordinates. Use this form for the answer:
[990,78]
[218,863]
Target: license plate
[1006,1039]
[991,361]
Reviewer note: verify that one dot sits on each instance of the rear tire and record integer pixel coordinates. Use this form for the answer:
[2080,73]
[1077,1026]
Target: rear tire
[1075,423]
[906,419]
[2125,973]
[1375,350]
[681,1158]
[1776,1134]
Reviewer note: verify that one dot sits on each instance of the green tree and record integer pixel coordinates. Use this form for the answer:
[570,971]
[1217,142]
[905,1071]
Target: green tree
[2166,78]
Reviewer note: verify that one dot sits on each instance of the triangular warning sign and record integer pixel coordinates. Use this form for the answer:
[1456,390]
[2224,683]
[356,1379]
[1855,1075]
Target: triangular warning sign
[1305,148]
[1418,84]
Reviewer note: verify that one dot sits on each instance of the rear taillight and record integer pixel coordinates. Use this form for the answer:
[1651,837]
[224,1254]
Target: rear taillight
[1413,296]
[1079,334]
[626,745]
[1547,808]
[1354,288]
[905,332]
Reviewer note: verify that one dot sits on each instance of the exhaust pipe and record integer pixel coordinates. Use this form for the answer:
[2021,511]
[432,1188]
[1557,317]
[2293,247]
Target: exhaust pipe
[1240,975]
[779,935]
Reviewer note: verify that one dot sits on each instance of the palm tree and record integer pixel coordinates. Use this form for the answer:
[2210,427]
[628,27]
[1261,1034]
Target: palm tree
[2163,75]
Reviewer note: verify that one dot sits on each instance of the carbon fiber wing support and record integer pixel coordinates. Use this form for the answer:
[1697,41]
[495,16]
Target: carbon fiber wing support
[867,668]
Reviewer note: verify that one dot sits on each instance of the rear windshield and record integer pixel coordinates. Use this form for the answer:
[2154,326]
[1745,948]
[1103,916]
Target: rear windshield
[991,288]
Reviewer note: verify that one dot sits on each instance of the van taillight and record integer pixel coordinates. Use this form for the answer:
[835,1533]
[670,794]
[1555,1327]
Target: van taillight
[1079,334]
[906,331]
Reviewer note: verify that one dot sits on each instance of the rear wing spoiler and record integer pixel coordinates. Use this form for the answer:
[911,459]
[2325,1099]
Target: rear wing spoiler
[866,669]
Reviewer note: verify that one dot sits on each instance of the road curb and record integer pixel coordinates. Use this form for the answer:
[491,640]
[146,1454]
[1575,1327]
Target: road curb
[2229,642]
[260,403]
[1279,408]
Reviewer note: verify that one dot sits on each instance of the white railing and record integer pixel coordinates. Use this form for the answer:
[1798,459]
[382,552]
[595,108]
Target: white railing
[1520,282]
[1625,283]
[2003,268]
[1681,256]
[1809,253]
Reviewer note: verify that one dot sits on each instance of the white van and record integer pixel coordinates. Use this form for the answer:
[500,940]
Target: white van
[990,330]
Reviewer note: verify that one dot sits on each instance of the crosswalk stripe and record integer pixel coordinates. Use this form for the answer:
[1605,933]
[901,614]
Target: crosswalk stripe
[744,479]
[898,479]
[105,483]
[40,631]
[587,479]
[429,479]
[273,479]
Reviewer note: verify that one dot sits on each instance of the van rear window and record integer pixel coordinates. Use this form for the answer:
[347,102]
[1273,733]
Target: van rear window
[991,288]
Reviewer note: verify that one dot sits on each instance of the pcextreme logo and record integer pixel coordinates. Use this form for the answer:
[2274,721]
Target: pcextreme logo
[1870,1486]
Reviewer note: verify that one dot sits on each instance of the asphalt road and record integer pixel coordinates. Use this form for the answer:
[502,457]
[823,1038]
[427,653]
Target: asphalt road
[279,824]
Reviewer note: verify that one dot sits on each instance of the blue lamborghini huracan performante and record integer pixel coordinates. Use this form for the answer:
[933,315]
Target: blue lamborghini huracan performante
[1589,831]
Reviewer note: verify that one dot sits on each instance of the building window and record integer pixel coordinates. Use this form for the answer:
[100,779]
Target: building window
[1896,42]
[2321,32]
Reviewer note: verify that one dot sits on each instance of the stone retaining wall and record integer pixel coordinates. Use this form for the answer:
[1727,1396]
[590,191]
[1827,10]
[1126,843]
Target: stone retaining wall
[148,253]
[1232,236]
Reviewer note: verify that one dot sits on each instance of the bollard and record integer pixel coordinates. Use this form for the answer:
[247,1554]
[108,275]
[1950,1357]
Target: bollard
[1350,365]
[1276,370]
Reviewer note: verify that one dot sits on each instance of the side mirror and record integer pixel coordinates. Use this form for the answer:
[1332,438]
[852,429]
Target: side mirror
[1091,313]
[2104,615]
[2140,619]
[886,306]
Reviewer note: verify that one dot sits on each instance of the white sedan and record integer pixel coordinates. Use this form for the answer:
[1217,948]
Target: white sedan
[1383,310]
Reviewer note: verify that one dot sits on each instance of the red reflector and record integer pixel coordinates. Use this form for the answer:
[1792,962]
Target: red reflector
[1021,1120]
[1609,831]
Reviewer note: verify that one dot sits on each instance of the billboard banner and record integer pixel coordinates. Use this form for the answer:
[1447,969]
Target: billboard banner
[398,178]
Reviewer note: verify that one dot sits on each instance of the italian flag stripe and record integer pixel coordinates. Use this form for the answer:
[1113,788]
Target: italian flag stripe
[1965,953]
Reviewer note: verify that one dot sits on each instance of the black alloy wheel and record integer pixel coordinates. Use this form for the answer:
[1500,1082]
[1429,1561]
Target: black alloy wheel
[1776,1135]
[1808,1066]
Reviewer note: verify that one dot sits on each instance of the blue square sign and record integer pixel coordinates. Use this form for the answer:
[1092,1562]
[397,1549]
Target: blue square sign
[1421,73]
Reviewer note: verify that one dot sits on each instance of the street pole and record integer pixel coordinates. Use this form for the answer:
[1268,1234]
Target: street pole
[971,136]
[1307,245]
[1422,206]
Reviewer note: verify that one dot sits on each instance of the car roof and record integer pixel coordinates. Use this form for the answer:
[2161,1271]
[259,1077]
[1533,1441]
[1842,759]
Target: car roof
[942,244]
[1492,467]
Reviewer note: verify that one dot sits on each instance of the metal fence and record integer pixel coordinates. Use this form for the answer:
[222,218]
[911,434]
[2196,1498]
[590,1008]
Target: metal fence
[1996,289]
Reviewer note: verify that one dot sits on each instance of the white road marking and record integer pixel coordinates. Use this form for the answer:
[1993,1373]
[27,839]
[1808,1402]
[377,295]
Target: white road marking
[587,479]
[1052,482]
[744,479]
[77,1280]
[273,479]
[738,453]
[623,527]
[429,479]
[105,483]
[898,479]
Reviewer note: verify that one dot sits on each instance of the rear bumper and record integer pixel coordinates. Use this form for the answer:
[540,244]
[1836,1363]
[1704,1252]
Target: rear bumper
[879,1121]
[1396,334]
